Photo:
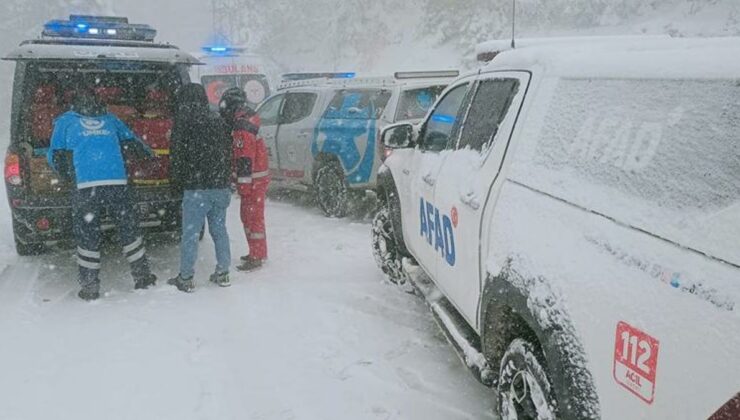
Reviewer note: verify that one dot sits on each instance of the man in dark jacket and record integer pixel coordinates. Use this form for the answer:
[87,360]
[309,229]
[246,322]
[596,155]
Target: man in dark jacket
[86,147]
[201,165]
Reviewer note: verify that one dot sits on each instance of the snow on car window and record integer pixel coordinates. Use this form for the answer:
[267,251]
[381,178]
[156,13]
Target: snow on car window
[415,103]
[658,147]
[358,104]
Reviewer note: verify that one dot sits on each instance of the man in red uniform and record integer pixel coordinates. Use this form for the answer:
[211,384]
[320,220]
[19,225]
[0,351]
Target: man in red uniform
[251,166]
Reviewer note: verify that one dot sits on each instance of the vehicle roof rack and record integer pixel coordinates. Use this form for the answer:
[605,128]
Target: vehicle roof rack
[435,74]
[339,83]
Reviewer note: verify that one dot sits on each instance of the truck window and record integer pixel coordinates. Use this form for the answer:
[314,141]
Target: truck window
[297,107]
[488,109]
[661,155]
[443,121]
[270,110]
[415,103]
[358,104]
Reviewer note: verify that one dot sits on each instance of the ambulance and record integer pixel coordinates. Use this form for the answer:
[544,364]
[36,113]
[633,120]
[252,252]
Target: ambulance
[134,76]
[225,67]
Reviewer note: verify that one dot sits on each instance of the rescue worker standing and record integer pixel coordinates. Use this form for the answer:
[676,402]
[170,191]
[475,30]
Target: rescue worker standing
[251,166]
[201,166]
[86,146]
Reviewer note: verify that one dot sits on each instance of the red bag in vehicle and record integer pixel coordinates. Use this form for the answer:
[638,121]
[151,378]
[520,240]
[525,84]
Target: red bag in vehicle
[44,110]
[154,129]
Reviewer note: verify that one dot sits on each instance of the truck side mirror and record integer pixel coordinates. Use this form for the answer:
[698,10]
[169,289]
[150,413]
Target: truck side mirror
[398,136]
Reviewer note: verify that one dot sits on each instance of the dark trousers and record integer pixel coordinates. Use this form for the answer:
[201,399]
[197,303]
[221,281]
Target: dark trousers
[114,202]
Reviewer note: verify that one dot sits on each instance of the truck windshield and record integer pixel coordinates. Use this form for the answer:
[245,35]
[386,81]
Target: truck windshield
[415,103]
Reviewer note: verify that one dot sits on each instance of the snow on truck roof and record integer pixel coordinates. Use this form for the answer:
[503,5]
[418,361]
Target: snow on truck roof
[98,50]
[626,57]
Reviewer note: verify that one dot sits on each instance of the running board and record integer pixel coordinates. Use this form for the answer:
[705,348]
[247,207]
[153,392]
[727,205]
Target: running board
[463,338]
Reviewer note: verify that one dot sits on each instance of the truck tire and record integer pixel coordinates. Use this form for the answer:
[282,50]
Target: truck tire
[332,192]
[524,388]
[386,251]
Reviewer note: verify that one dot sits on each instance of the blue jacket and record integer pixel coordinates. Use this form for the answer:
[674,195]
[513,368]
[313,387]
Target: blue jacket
[95,144]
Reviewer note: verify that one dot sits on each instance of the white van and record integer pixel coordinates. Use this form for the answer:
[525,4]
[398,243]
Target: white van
[323,133]
[577,207]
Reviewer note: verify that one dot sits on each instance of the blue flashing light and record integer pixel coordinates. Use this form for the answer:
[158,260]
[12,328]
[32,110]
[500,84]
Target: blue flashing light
[345,75]
[98,27]
[444,119]
[222,50]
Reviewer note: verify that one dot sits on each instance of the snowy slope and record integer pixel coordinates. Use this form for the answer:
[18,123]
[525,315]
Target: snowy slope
[316,335]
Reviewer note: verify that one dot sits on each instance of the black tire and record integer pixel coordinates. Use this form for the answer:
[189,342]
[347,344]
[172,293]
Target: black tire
[385,248]
[524,388]
[332,192]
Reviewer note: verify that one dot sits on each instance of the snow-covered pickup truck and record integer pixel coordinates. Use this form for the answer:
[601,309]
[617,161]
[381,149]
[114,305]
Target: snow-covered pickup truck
[574,211]
[134,76]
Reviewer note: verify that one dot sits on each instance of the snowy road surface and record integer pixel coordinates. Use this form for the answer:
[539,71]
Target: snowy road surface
[315,335]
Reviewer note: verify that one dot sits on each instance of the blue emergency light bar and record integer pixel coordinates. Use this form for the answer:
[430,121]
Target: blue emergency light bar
[99,27]
[306,76]
[223,50]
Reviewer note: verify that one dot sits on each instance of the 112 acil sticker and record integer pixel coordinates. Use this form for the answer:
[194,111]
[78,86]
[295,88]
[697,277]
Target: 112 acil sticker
[636,361]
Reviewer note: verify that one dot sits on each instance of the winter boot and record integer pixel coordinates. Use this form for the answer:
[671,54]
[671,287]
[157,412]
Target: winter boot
[183,285]
[221,279]
[145,282]
[89,294]
[250,264]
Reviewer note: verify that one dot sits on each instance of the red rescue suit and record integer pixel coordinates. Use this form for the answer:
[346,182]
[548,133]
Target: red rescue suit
[251,166]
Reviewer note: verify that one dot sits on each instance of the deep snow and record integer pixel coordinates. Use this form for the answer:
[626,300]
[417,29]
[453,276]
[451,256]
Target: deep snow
[316,335]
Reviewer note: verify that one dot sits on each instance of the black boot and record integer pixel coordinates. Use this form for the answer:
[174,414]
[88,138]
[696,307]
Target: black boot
[250,264]
[183,285]
[89,294]
[145,282]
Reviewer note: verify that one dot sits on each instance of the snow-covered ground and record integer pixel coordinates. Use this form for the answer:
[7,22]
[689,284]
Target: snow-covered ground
[316,335]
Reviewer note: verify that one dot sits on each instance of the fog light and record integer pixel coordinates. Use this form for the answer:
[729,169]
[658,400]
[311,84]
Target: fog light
[43,224]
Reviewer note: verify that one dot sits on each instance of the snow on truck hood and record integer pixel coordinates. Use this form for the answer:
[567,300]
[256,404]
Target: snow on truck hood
[626,57]
[99,51]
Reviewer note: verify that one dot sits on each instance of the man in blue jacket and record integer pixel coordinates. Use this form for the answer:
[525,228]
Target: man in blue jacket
[86,146]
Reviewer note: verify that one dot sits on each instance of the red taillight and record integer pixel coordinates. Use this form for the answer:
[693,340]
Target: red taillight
[43,224]
[13,169]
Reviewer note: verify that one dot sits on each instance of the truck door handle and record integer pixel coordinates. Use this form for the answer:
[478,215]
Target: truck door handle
[428,179]
[470,201]
[406,172]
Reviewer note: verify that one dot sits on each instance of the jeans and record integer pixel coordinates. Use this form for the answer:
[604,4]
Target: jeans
[114,202]
[197,206]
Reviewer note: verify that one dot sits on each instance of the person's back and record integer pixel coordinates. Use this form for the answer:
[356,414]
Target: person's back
[201,166]
[201,146]
[86,145]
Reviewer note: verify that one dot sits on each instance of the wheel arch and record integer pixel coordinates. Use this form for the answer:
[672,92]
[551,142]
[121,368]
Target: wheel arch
[508,311]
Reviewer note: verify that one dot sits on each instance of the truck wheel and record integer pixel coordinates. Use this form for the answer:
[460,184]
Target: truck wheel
[385,249]
[524,390]
[332,193]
